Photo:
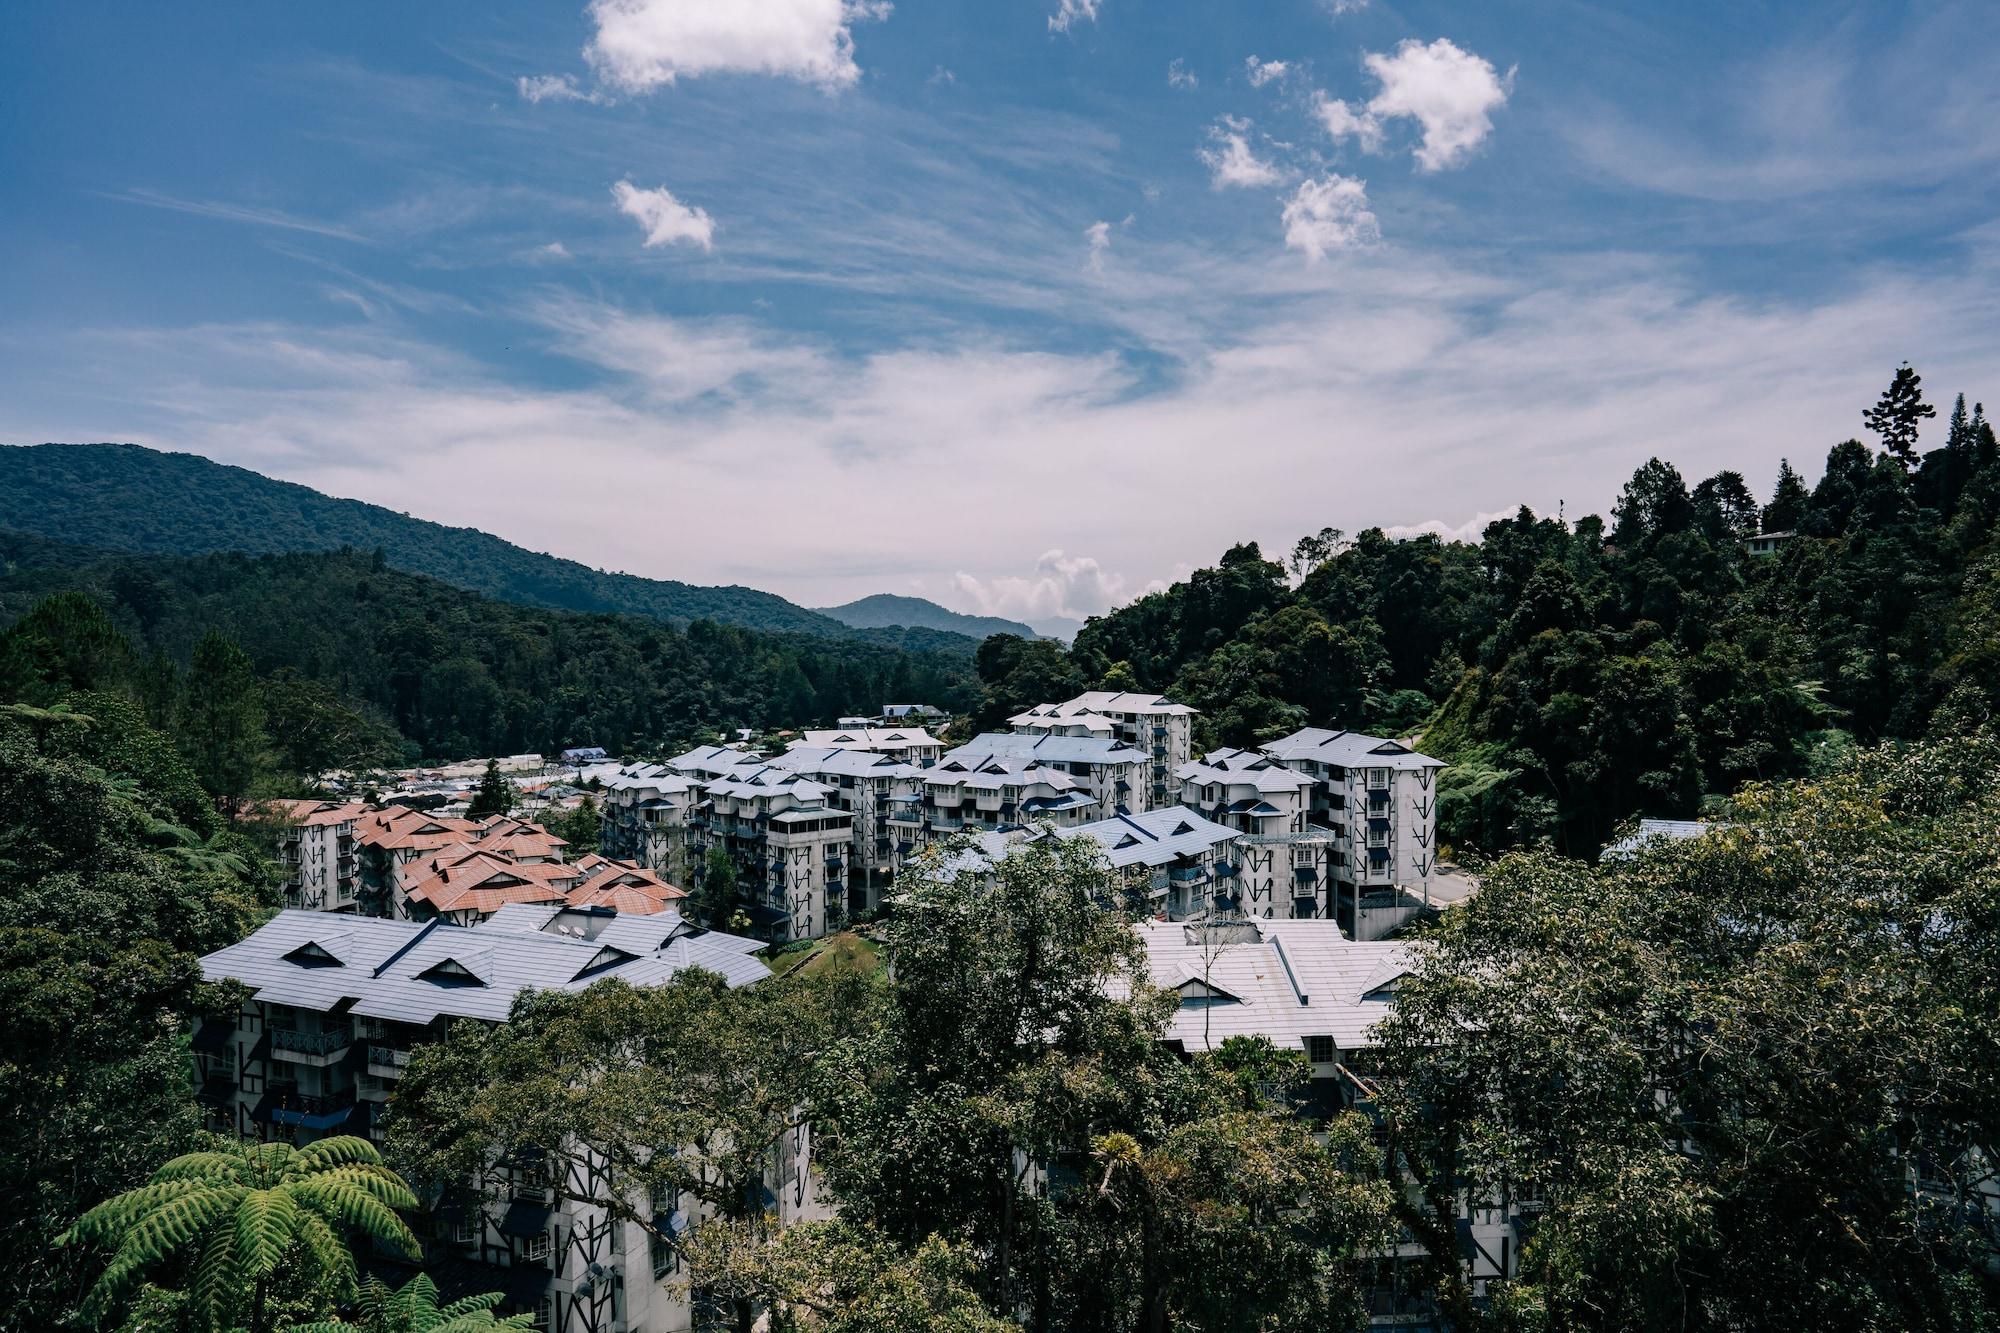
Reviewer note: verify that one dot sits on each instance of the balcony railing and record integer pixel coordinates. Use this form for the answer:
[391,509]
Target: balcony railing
[311,1043]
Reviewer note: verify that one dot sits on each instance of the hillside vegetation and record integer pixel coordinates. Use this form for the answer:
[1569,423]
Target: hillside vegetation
[122,497]
[1578,674]
[354,648]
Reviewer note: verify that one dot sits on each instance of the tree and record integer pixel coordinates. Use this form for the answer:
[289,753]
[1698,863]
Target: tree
[221,718]
[580,826]
[1896,415]
[315,730]
[716,899]
[1789,501]
[494,796]
[233,1216]
[414,1308]
[680,1092]
[1753,1075]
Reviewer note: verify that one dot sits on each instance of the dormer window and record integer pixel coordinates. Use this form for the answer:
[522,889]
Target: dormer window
[450,972]
[311,954]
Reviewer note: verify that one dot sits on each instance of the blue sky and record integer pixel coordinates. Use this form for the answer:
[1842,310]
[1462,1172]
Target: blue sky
[1021,305]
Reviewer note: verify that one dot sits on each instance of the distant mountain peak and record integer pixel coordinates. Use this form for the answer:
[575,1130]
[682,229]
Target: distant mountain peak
[884,610]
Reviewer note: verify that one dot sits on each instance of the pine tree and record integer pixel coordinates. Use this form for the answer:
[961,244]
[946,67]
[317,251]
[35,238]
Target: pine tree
[221,718]
[1896,414]
[495,795]
[242,1213]
[1789,501]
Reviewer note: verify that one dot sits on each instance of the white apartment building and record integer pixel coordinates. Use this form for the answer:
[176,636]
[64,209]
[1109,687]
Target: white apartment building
[317,849]
[1115,774]
[1380,799]
[643,818]
[861,783]
[974,794]
[788,842]
[1173,858]
[337,1003]
[1149,722]
[909,745]
[1284,862]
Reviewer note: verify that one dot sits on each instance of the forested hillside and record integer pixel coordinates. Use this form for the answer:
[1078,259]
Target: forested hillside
[1577,674]
[121,497]
[350,648]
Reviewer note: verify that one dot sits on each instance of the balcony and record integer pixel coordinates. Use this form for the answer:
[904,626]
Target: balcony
[387,1061]
[1187,874]
[284,1104]
[311,1048]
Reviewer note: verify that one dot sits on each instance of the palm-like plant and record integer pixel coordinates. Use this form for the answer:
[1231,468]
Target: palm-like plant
[415,1309]
[239,1209]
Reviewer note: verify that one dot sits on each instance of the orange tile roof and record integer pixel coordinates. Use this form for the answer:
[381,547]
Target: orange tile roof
[482,882]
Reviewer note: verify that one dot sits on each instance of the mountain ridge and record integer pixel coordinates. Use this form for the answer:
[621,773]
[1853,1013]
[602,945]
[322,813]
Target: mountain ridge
[885,610]
[131,499]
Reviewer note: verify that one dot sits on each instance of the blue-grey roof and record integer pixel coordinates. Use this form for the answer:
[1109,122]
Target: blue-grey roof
[1349,749]
[1154,837]
[387,968]
[1655,830]
[1049,749]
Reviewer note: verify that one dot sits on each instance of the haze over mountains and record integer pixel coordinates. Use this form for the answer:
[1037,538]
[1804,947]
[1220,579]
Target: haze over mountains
[131,499]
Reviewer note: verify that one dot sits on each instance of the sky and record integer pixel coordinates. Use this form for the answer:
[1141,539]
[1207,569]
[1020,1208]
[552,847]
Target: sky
[1025,306]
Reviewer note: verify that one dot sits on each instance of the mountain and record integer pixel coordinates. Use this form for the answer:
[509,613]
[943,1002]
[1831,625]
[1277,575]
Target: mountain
[884,610]
[452,672]
[127,498]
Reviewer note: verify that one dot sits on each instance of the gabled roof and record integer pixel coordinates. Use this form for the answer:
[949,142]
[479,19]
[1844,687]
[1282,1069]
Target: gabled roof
[1154,837]
[409,972]
[1045,749]
[1242,768]
[1283,979]
[1348,749]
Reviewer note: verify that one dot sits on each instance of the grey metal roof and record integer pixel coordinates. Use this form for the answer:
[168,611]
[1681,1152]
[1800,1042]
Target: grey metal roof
[1238,768]
[1349,749]
[1050,749]
[1154,837]
[820,759]
[1295,979]
[1656,830]
[388,968]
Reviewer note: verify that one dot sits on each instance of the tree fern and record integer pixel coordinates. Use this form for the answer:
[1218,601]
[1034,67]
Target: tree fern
[414,1308]
[231,1215]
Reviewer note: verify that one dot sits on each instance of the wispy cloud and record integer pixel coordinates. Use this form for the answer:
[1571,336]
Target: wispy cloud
[1071,12]
[1329,214]
[1231,161]
[243,213]
[664,219]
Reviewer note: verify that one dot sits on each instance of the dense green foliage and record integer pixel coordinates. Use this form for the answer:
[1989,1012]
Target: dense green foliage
[1576,676]
[121,497]
[1725,1064]
[351,654]
[244,1221]
[114,873]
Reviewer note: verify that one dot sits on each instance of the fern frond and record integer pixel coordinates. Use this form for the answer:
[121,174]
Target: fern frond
[215,1275]
[340,1150]
[382,1184]
[356,1208]
[327,1252]
[266,1225]
[207,1164]
[114,1215]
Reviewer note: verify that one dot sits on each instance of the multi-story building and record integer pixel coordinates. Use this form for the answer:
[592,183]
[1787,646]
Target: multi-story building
[465,885]
[1178,861]
[862,783]
[317,849]
[1114,774]
[987,793]
[393,842]
[1149,722]
[789,846]
[1283,862]
[336,1005]
[643,818]
[910,745]
[623,887]
[1379,797]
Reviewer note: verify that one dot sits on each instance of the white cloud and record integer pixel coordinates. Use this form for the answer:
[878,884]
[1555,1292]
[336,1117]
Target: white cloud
[1098,234]
[1450,93]
[1264,71]
[1231,161]
[1328,214]
[1063,587]
[1342,120]
[666,220]
[1180,76]
[1339,7]
[644,44]
[1469,531]
[553,250]
[1073,11]
[553,88]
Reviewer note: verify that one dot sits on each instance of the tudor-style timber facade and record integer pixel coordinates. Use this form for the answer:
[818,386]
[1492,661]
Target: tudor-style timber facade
[336,1004]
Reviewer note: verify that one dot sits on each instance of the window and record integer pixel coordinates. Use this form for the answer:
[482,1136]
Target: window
[1319,1050]
[535,1249]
